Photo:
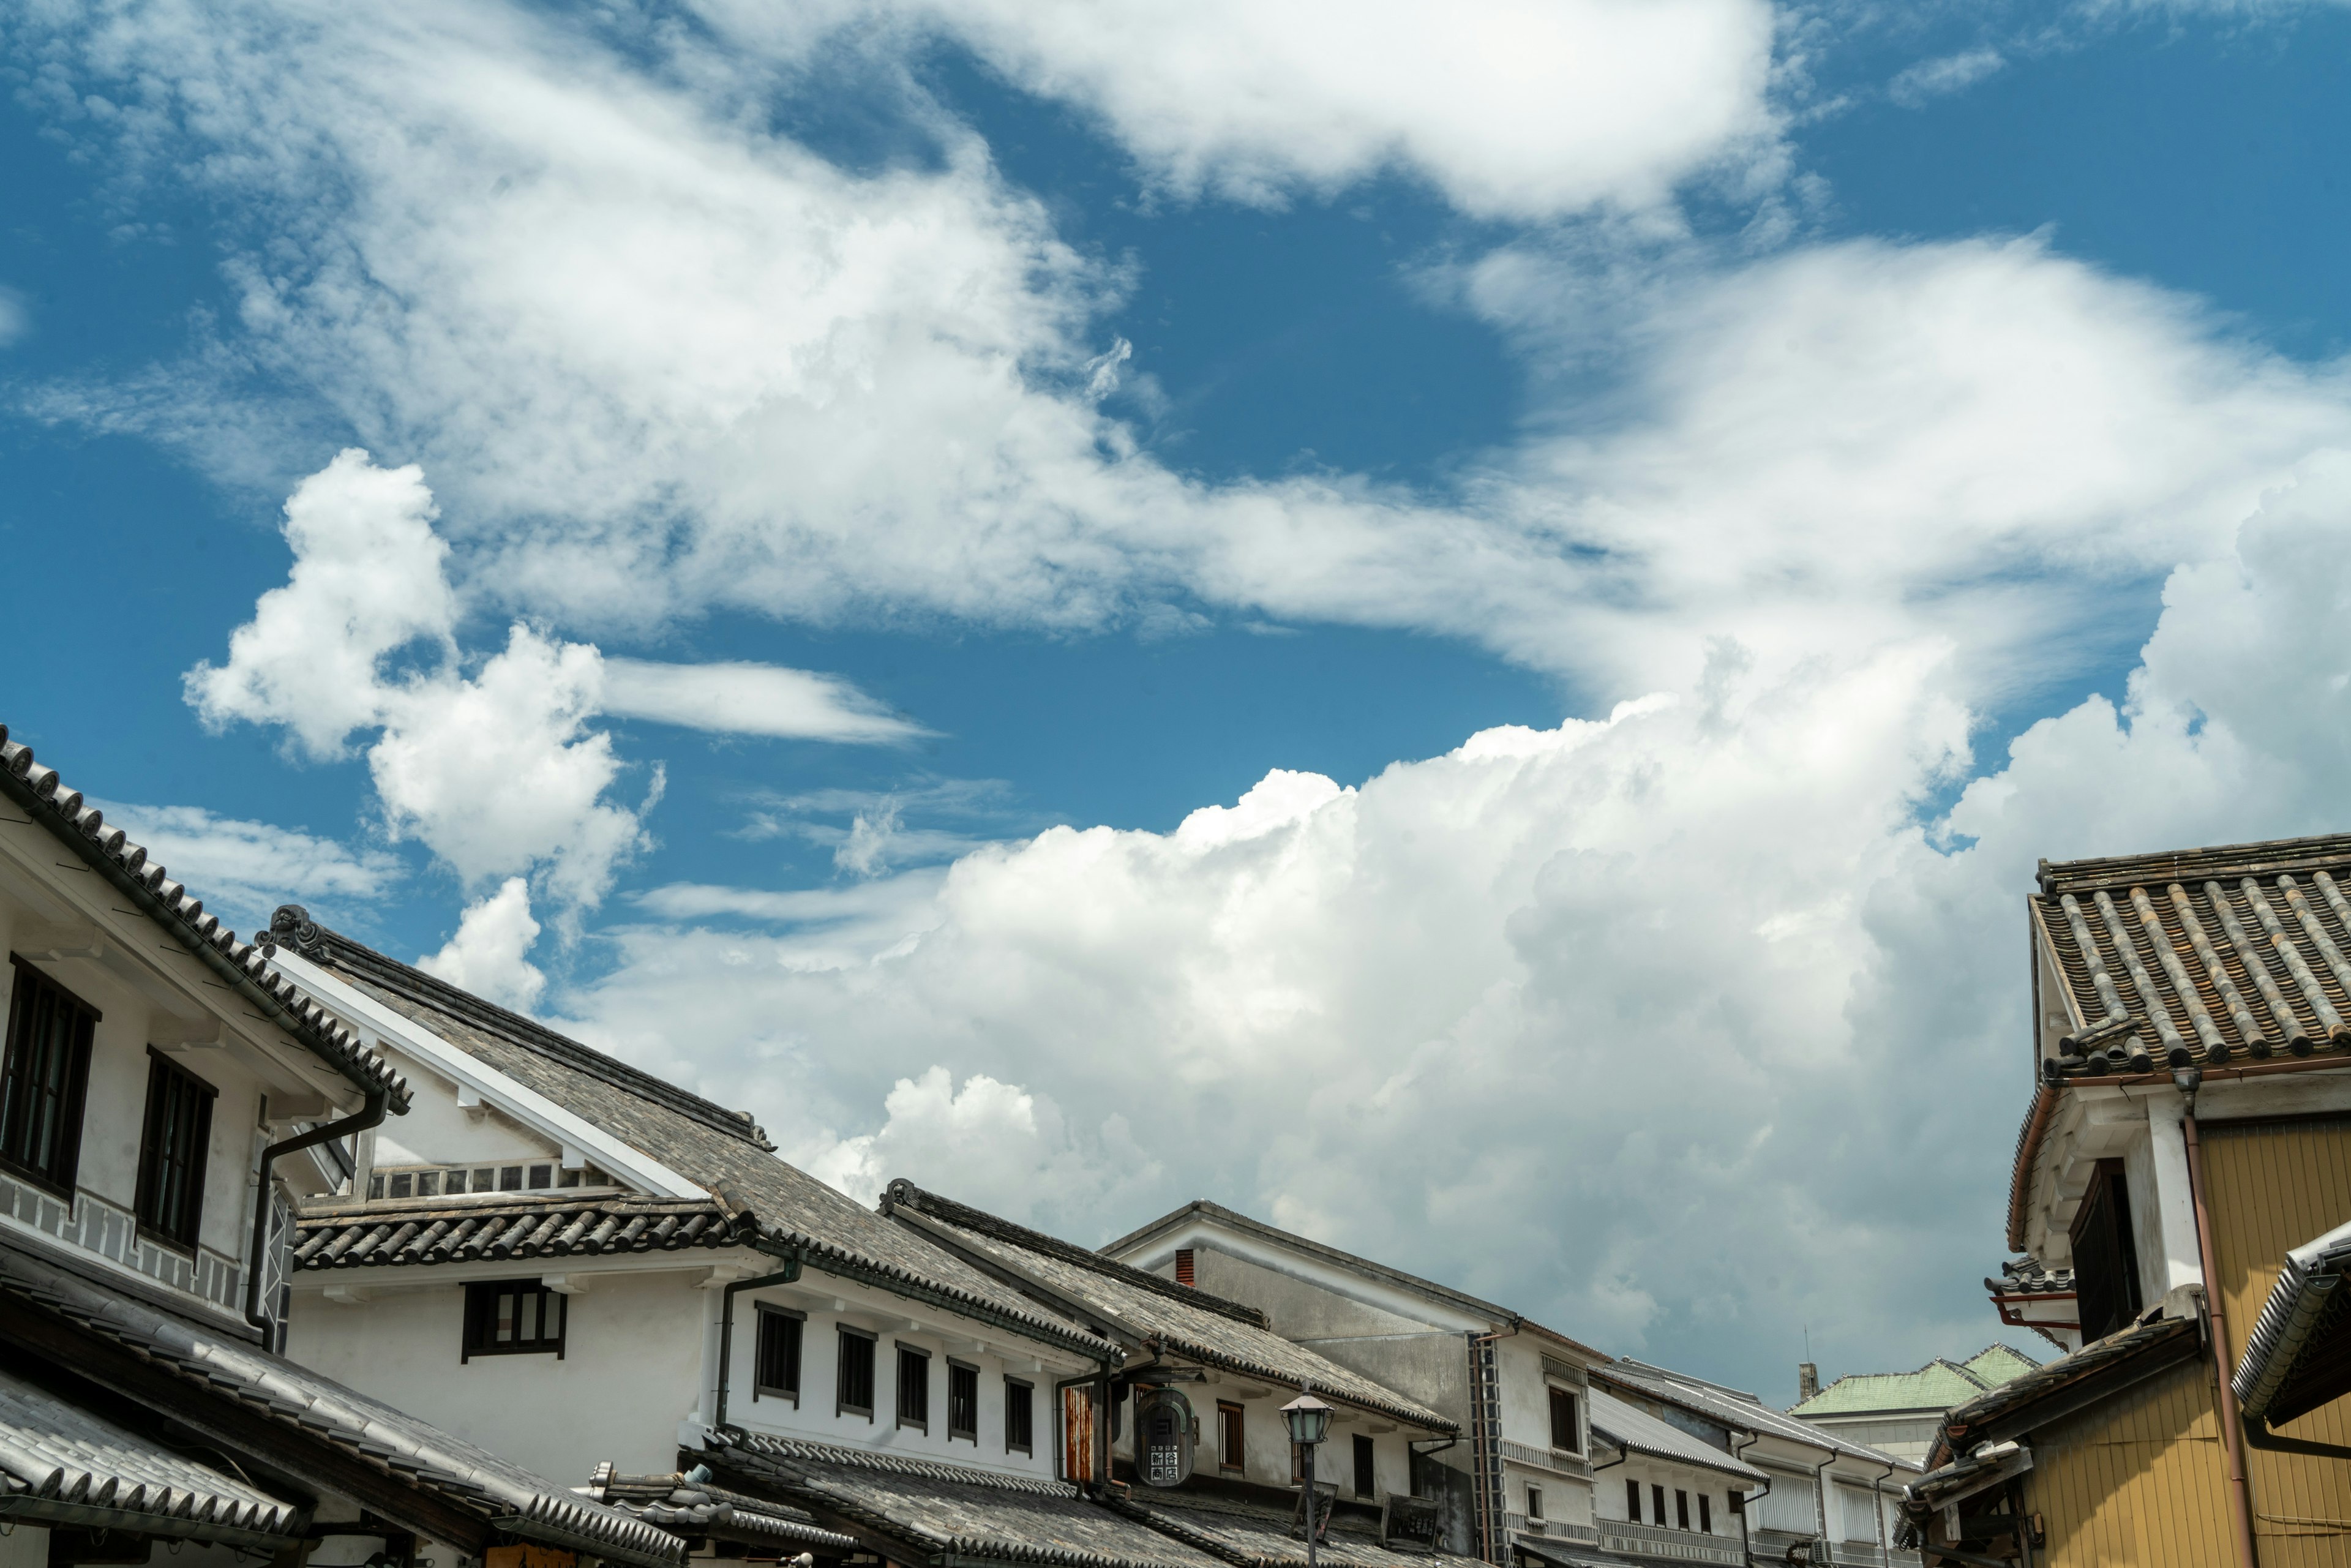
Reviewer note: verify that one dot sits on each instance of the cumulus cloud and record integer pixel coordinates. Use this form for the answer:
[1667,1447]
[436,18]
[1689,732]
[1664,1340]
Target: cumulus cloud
[1509,107]
[244,869]
[487,954]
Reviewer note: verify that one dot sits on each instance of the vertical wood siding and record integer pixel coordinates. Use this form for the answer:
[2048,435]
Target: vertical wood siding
[2137,1482]
[2273,1185]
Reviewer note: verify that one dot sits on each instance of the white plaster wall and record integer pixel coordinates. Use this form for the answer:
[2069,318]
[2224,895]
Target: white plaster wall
[632,1363]
[1608,1493]
[26,1546]
[437,1131]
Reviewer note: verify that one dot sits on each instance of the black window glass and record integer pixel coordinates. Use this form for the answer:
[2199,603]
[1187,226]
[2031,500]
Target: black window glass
[1633,1501]
[42,1079]
[1681,1510]
[2106,1256]
[855,1390]
[1229,1437]
[1364,1479]
[509,1179]
[1563,1421]
[1534,1502]
[173,1145]
[1017,1415]
[914,1387]
[963,1402]
[513,1317]
[1706,1513]
[1657,1505]
[779,1359]
[542,1176]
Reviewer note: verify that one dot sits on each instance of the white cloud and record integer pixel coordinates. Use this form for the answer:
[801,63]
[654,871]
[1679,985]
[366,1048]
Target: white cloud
[15,316]
[243,869]
[1510,108]
[488,955]
[751,699]
[1947,74]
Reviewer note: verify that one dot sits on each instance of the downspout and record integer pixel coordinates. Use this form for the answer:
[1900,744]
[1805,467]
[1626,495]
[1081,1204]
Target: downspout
[2233,1440]
[371,1115]
[784,1276]
[1877,1506]
[1821,1497]
[1746,1547]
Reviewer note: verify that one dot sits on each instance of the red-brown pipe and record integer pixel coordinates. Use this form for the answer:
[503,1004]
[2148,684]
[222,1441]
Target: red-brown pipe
[2233,1437]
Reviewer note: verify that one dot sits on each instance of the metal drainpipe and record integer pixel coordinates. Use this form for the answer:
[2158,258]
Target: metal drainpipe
[1746,1545]
[1877,1507]
[784,1276]
[1821,1497]
[2232,1442]
[371,1115]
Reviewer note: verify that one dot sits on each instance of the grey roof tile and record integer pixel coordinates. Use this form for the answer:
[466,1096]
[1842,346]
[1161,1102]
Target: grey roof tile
[704,1142]
[692,1505]
[56,1452]
[1152,1312]
[1270,1535]
[430,1230]
[1627,1426]
[2301,1322]
[36,789]
[951,1512]
[309,1402]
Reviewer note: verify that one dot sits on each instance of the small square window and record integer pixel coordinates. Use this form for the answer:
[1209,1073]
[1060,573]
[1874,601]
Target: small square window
[1534,1504]
[375,1185]
[452,1182]
[569,1178]
[509,1179]
[598,1178]
[513,1317]
[485,1181]
[404,1185]
[428,1184]
[541,1177]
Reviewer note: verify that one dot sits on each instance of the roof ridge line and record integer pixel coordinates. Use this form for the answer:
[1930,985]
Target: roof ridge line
[291,927]
[901,1190]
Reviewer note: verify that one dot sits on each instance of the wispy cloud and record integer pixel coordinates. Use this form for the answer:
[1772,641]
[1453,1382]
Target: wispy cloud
[1940,78]
[752,700]
[243,869]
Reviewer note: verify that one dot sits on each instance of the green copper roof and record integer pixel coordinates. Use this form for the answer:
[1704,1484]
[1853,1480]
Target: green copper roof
[1937,1386]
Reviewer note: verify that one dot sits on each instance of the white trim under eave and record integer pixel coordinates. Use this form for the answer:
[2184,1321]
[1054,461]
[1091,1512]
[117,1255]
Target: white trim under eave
[525,1104]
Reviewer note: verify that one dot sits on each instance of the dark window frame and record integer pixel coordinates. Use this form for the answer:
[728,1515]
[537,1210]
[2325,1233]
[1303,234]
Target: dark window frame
[1366,1455]
[1681,1509]
[1232,1437]
[1657,1503]
[1705,1513]
[481,1319]
[963,1375]
[187,1102]
[1632,1501]
[844,1361]
[59,1172]
[2105,1254]
[918,1419]
[1574,1427]
[1534,1502]
[786,1331]
[1020,1436]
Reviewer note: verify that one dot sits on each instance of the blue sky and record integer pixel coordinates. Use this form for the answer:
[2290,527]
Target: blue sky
[1917,380]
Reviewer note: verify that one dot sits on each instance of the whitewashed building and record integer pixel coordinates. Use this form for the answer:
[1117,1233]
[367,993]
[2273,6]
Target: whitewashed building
[158,1087]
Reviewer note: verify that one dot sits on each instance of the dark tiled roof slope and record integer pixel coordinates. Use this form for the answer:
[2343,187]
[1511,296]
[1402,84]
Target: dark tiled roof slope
[690,1507]
[2028,1277]
[322,1410]
[36,791]
[1995,1413]
[2205,956]
[949,1513]
[393,1235]
[725,1154]
[2299,1331]
[1158,1313]
[1252,1534]
[55,1454]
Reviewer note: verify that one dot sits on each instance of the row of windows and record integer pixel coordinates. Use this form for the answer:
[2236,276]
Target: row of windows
[509,1317]
[1232,1450]
[44,1078]
[438,1182]
[1679,1519]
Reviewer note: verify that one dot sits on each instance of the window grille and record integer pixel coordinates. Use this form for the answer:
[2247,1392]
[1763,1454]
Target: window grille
[1367,1481]
[1565,1434]
[963,1402]
[513,1317]
[914,1387]
[174,1144]
[1229,1452]
[854,1389]
[1019,1417]
[777,1367]
[43,1078]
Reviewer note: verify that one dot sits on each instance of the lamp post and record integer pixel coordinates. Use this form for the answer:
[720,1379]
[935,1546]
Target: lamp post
[1308,1420]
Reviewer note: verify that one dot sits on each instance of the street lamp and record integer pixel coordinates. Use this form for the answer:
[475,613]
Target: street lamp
[1308,1420]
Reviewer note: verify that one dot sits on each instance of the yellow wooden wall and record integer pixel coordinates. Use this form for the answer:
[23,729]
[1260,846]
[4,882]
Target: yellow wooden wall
[2137,1482]
[2273,1185]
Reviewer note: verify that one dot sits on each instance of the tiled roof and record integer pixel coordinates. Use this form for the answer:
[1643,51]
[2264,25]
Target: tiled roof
[1347,1261]
[1995,1412]
[950,1514]
[2027,1277]
[1152,1312]
[1742,1412]
[691,1505]
[36,789]
[321,1410]
[702,1142]
[1252,1534]
[2201,955]
[1622,1426]
[1937,1386]
[63,1462]
[428,1230]
[2299,1325]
